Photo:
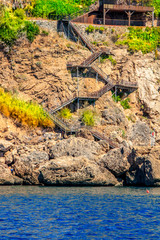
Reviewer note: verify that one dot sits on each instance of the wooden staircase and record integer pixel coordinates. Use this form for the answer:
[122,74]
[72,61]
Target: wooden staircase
[94,56]
[89,62]
[82,37]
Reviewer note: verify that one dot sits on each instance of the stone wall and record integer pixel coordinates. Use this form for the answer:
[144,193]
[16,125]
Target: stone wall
[48,25]
[110,33]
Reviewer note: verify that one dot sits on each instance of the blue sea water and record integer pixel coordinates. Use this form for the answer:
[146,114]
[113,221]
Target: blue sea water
[28,212]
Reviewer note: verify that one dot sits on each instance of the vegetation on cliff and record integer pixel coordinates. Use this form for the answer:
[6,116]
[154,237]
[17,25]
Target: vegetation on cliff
[88,117]
[57,9]
[156,5]
[138,39]
[65,113]
[14,24]
[28,113]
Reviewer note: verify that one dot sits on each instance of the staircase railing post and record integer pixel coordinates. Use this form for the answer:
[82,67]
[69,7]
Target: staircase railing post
[77,88]
[115,93]
[68,29]
[96,77]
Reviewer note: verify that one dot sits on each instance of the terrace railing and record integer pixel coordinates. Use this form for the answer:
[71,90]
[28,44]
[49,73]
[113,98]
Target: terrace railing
[114,22]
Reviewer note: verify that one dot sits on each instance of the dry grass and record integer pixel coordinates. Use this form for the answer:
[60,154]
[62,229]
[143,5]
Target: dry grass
[28,113]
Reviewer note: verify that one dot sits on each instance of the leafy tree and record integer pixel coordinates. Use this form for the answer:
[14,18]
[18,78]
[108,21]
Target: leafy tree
[13,24]
[156,4]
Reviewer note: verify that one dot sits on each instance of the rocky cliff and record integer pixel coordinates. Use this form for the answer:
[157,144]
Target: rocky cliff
[38,72]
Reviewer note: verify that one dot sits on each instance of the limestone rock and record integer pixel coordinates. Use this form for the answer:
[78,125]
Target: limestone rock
[84,133]
[5,145]
[27,164]
[145,169]
[113,116]
[116,160]
[6,178]
[104,145]
[75,171]
[139,134]
[75,147]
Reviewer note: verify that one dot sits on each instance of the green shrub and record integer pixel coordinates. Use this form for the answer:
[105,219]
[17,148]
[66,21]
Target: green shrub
[116,98]
[113,61]
[88,118]
[32,30]
[139,39]
[105,43]
[68,45]
[101,29]
[123,134]
[12,25]
[58,9]
[90,29]
[65,113]
[45,33]
[125,103]
[96,29]
[112,30]
[103,58]
[19,12]
[95,43]
[131,118]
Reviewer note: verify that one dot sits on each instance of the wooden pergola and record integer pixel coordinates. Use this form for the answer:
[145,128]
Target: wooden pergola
[129,9]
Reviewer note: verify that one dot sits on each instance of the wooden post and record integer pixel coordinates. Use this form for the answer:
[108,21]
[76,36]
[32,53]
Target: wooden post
[68,29]
[152,18]
[96,77]
[115,94]
[77,89]
[104,13]
[129,13]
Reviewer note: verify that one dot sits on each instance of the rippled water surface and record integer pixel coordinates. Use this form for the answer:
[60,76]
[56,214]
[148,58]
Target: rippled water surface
[79,213]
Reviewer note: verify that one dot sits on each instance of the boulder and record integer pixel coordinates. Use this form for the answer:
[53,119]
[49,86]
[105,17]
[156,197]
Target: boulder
[145,169]
[75,171]
[113,116]
[85,133]
[139,134]
[5,145]
[116,160]
[6,177]
[26,166]
[75,147]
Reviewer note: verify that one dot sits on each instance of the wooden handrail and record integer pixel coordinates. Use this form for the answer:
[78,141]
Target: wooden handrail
[88,44]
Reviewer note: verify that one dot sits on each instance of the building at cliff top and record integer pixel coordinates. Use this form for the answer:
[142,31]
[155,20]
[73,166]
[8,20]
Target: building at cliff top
[119,12]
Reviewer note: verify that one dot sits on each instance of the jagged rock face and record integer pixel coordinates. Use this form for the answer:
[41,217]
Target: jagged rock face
[75,163]
[144,70]
[26,165]
[78,161]
[117,161]
[148,77]
[5,145]
[39,70]
[139,134]
[75,171]
[145,169]
[6,177]
[76,147]
[84,133]
[113,116]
